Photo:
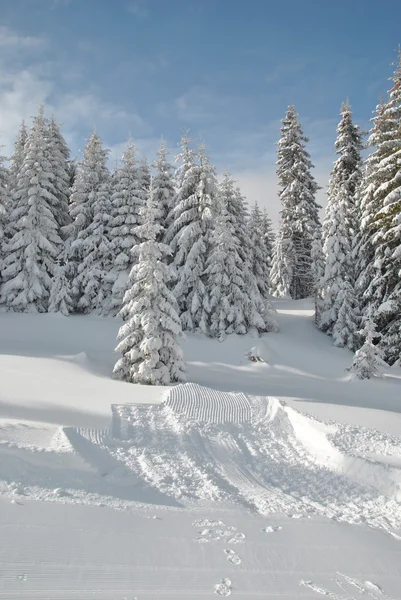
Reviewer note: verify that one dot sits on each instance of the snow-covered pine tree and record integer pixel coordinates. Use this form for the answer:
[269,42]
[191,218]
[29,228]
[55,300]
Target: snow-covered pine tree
[292,272]
[59,158]
[232,286]
[33,249]
[163,187]
[238,215]
[189,234]
[363,251]
[336,291]
[384,293]
[92,173]
[4,208]
[318,266]
[259,255]
[281,272]
[144,177]
[94,245]
[148,340]
[368,360]
[127,202]
[17,157]
[16,161]
[224,277]
[269,237]
[60,298]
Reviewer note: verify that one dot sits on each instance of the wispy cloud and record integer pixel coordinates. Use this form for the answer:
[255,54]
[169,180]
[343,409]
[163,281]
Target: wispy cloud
[30,80]
[10,40]
[139,8]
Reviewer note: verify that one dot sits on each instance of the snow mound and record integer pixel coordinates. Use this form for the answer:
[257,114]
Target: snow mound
[201,445]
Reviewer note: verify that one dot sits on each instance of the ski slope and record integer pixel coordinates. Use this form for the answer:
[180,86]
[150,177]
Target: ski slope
[254,480]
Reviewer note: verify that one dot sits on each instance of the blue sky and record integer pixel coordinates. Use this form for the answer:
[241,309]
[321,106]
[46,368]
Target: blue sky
[226,69]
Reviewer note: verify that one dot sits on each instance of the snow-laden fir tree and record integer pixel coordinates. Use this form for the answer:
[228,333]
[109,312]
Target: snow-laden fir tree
[368,360]
[144,177]
[259,253]
[189,237]
[163,187]
[234,304]
[32,252]
[94,245]
[17,157]
[269,237]
[127,202]
[384,292]
[236,207]
[59,158]
[60,299]
[336,291]
[92,173]
[227,294]
[16,161]
[148,339]
[4,208]
[363,253]
[281,272]
[292,271]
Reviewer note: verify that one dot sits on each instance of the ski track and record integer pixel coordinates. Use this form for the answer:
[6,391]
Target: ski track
[344,587]
[203,446]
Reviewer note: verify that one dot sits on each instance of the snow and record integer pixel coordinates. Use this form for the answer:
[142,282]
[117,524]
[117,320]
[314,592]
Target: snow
[254,480]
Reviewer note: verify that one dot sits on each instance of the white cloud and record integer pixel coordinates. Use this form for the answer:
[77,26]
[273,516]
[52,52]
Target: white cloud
[13,41]
[27,80]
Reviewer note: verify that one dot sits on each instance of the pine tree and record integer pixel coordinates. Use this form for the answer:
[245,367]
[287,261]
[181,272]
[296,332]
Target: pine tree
[368,360]
[227,294]
[269,237]
[292,272]
[163,187]
[16,162]
[259,254]
[91,175]
[238,215]
[59,158]
[94,245]
[60,300]
[189,235]
[144,177]
[148,340]
[384,292]
[4,207]
[17,157]
[337,289]
[234,304]
[281,272]
[363,251]
[127,202]
[33,249]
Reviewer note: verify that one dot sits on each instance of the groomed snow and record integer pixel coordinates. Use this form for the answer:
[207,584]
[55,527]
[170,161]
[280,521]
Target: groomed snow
[257,480]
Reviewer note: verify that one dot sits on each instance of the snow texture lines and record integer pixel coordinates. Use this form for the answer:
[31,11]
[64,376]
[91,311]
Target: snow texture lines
[205,405]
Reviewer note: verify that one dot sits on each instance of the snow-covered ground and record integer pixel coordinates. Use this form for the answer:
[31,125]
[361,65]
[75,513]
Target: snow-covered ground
[288,487]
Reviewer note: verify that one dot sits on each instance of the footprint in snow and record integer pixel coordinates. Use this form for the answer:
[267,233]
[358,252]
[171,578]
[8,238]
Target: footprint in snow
[270,529]
[232,557]
[224,588]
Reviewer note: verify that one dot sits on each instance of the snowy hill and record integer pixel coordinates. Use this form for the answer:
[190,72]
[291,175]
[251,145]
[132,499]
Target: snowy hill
[256,480]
